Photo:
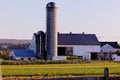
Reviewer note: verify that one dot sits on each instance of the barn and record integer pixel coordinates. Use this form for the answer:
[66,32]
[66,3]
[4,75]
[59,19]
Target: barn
[108,49]
[22,55]
[86,46]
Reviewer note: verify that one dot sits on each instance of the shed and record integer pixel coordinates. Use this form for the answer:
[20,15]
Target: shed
[22,55]
[108,49]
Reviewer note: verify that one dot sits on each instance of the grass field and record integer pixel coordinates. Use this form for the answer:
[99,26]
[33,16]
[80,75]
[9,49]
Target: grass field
[93,68]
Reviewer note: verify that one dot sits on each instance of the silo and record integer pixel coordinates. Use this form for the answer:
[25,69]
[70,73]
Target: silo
[40,45]
[51,33]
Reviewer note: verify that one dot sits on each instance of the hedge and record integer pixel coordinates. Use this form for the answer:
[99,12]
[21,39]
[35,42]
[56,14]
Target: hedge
[29,62]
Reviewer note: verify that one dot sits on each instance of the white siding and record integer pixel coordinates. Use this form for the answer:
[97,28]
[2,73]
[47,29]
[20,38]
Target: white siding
[25,58]
[87,56]
[82,49]
[17,58]
[11,54]
[59,57]
[33,44]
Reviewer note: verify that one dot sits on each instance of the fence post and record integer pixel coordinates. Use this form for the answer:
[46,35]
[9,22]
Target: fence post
[106,73]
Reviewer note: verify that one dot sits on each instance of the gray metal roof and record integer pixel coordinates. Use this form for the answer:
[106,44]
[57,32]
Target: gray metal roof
[77,39]
[24,53]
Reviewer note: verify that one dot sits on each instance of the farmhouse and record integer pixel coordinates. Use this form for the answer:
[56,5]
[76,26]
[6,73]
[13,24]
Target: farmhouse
[22,55]
[108,49]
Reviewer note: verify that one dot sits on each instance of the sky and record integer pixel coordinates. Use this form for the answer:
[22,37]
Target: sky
[19,19]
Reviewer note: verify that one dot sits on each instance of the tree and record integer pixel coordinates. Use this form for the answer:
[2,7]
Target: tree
[4,53]
[117,52]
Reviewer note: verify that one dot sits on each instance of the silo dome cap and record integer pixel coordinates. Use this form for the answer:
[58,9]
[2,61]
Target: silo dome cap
[51,4]
[40,32]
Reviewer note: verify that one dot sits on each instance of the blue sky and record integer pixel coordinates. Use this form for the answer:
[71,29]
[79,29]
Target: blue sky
[19,19]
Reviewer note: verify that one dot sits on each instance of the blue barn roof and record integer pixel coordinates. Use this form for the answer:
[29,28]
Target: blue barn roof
[24,53]
[77,39]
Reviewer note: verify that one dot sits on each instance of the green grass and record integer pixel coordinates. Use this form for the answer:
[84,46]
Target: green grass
[93,68]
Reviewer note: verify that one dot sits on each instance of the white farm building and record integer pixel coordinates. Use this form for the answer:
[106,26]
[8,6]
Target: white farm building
[86,46]
[83,45]
[108,49]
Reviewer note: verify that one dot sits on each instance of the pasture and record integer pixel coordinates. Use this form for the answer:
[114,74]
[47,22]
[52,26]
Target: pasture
[53,70]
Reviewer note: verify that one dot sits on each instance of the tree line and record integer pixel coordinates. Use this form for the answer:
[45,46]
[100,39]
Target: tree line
[5,49]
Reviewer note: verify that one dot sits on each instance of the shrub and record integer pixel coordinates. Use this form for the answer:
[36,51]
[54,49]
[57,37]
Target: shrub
[117,52]
[72,57]
[28,62]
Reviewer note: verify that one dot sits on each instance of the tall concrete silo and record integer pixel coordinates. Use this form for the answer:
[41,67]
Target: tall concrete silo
[51,33]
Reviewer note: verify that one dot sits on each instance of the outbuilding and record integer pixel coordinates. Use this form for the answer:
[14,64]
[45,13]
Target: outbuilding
[22,55]
[108,49]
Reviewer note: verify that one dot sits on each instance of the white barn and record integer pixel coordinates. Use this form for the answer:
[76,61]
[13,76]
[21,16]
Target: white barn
[83,45]
[86,46]
[108,49]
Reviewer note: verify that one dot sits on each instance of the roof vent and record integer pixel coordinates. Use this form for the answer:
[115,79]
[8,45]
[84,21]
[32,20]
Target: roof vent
[70,32]
[83,32]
